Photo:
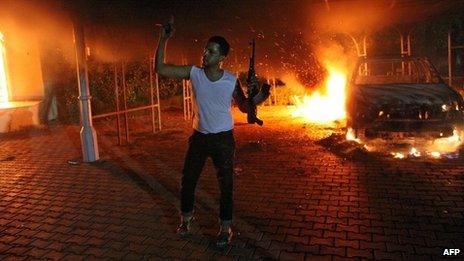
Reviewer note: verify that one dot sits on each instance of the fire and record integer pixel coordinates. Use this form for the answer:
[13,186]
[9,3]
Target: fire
[447,147]
[448,144]
[397,155]
[414,152]
[3,77]
[326,107]
[350,136]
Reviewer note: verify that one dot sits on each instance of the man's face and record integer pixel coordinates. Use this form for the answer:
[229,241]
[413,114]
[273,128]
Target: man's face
[212,55]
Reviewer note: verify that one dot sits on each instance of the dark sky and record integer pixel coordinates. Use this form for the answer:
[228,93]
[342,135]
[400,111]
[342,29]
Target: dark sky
[287,31]
[131,23]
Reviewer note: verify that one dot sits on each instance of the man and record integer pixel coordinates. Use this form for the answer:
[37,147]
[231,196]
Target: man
[213,89]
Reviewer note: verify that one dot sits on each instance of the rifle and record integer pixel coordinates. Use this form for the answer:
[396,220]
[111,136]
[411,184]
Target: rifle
[253,89]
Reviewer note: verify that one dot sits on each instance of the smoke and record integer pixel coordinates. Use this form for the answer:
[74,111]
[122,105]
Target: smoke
[32,31]
[41,22]
[381,21]
[366,16]
[47,26]
[296,88]
[352,16]
[289,33]
[110,43]
[336,27]
[335,56]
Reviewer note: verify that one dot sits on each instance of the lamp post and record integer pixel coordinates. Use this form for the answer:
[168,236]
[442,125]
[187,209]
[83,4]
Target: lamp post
[88,135]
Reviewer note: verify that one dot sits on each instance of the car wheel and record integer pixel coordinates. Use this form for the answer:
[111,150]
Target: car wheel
[358,133]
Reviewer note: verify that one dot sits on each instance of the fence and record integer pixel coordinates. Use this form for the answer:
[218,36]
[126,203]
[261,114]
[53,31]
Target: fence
[120,80]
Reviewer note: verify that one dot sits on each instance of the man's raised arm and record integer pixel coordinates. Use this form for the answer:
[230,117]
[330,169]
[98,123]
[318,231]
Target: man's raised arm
[169,70]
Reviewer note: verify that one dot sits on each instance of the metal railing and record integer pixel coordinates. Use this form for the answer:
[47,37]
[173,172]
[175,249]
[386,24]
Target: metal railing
[272,100]
[154,106]
[452,47]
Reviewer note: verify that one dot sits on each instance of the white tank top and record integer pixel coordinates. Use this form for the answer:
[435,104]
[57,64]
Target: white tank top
[212,101]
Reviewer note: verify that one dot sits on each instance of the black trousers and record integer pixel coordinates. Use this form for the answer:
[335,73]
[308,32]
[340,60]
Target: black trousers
[221,148]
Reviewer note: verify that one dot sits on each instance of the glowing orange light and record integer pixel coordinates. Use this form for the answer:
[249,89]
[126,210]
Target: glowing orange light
[3,78]
[414,152]
[397,155]
[435,154]
[447,144]
[436,148]
[327,107]
[350,136]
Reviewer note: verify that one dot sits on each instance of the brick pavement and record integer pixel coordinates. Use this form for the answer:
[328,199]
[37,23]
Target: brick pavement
[297,197]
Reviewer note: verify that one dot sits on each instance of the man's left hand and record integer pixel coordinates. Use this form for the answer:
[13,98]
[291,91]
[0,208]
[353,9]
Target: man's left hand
[263,94]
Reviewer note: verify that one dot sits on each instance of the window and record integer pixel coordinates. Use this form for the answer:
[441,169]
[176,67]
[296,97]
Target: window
[394,71]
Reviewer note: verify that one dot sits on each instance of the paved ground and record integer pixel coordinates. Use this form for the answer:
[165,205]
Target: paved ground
[299,194]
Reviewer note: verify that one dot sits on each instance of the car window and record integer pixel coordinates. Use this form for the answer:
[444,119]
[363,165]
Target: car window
[431,72]
[408,71]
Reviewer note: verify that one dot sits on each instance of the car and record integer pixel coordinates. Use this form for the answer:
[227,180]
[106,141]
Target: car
[401,97]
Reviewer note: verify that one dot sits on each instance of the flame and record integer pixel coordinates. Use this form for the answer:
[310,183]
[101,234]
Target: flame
[397,155]
[350,136]
[448,144]
[448,147]
[414,152]
[441,147]
[3,78]
[328,107]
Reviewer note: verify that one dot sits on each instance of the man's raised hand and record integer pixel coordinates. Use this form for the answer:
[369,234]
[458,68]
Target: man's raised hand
[167,29]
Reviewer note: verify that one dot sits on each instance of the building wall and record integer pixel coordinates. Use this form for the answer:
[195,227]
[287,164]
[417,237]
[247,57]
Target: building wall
[24,67]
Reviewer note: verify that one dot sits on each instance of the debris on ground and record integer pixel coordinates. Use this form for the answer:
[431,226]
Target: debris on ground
[238,170]
[74,161]
[253,146]
[338,144]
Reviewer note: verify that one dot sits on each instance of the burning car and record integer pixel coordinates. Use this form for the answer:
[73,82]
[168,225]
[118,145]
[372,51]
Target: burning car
[401,97]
